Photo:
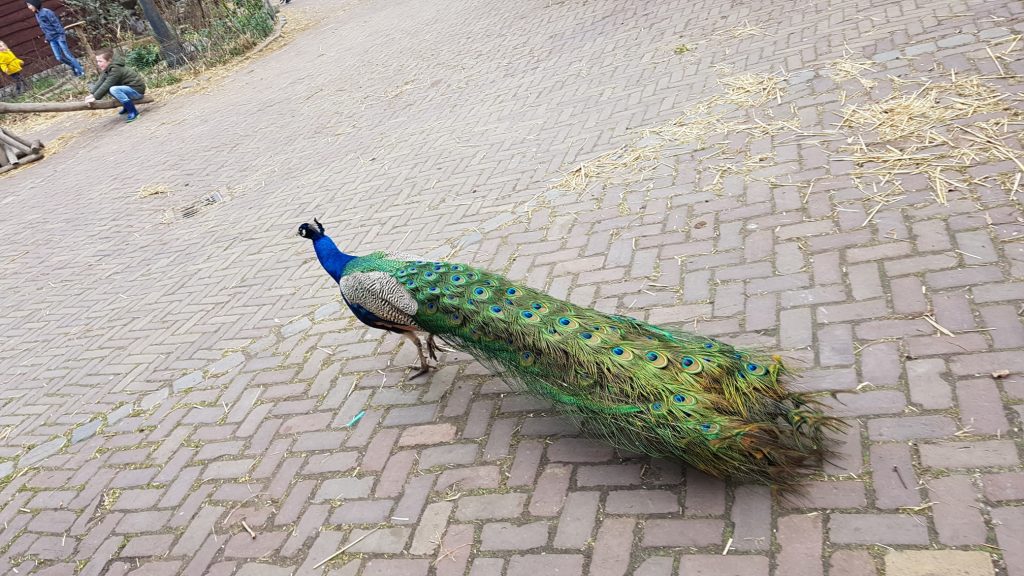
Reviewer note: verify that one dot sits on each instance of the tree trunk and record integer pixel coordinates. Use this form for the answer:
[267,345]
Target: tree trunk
[7,107]
[170,46]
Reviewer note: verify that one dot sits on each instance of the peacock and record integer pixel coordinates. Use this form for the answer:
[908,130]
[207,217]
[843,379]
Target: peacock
[643,388]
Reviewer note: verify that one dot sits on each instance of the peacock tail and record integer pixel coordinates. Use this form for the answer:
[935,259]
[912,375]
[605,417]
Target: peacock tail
[649,389]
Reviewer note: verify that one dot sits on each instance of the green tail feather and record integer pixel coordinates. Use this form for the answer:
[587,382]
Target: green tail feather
[649,389]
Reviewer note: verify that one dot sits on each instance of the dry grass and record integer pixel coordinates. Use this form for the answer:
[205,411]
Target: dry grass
[696,125]
[937,130]
[850,68]
[753,89]
[153,190]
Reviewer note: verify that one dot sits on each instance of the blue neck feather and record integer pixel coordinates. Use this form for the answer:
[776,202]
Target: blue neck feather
[332,259]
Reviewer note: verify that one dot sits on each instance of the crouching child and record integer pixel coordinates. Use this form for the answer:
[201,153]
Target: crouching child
[122,83]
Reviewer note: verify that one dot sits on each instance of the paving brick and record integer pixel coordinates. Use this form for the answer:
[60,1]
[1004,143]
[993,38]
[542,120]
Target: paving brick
[577,520]
[969,454]
[242,545]
[981,409]
[828,494]
[893,476]
[711,565]
[641,502]
[1003,486]
[881,364]
[889,529]
[427,434]
[705,496]
[344,489]
[471,478]
[456,546]
[414,497]
[395,472]
[752,518]
[852,563]
[927,388]
[550,491]
[1008,525]
[396,567]
[449,454]
[143,546]
[911,427]
[387,540]
[800,538]
[579,450]
[431,527]
[927,562]
[530,565]
[363,512]
[525,464]
[505,536]
[487,566]
[490,506]
[675,533]
[294,503]
[957,517]
[608,475]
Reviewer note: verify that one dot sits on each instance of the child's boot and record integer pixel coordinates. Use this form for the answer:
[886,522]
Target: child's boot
[129,108]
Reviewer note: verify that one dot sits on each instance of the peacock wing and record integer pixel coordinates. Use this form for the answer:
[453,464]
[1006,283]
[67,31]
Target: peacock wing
[381,295]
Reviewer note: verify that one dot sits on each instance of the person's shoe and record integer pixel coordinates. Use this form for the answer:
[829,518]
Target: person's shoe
[129,106]
[123,111]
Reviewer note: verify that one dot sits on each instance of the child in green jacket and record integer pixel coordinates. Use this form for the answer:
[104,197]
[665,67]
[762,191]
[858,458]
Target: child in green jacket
[121,82]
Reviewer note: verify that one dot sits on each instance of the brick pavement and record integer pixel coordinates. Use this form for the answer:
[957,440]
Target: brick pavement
[172,383]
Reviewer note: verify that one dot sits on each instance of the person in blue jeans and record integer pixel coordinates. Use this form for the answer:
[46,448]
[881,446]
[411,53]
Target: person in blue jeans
[121,82]
[54,33]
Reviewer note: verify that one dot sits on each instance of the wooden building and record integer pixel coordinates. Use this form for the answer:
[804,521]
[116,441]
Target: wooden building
[18,29]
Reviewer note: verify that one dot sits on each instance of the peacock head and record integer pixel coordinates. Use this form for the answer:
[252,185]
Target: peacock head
[312,231]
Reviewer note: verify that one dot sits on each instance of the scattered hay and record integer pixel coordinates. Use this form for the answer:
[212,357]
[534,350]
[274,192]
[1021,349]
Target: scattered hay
[938,131]
[629,164]
[153,190]
[744,30]
[850,68]
[61,142]
[753,89]
[697,124]
[912,116]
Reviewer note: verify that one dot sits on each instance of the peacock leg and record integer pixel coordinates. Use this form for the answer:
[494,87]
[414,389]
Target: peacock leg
[424,365]
[432,347]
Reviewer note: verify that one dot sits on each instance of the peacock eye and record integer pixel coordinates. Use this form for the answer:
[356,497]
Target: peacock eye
[618,351]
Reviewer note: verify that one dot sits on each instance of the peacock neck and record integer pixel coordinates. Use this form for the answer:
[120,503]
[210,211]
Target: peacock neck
[332,259]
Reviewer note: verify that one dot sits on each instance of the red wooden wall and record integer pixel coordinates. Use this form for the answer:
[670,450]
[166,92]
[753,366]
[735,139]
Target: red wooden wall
[18,29]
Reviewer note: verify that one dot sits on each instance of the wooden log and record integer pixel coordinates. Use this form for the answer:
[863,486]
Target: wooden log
[27,107]
[6,140]
[23,161]
[33,146]
[12,155]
